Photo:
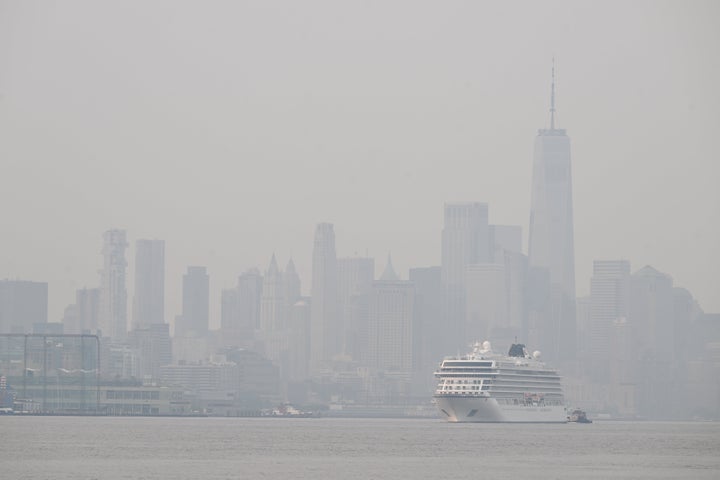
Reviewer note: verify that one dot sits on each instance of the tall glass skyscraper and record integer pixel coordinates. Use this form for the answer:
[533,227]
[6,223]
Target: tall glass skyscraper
[194,320]
[149,298]
[324,326]
[113,319]
[551,238]
[465,240]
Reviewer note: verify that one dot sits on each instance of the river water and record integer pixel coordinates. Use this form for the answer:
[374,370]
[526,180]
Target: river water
[335,448]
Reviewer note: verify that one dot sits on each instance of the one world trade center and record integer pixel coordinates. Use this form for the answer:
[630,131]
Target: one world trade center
[551,309]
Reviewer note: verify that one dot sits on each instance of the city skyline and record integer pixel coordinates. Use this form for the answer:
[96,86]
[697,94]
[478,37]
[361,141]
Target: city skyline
[255,160]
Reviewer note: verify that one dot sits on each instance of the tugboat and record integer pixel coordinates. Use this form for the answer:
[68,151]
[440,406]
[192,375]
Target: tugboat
[578,416]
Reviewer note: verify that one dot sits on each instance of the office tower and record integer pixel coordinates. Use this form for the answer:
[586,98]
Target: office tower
[154,348]
[465,241]
[291,285]
[240,310]
[230,327]
[272,303]
[516,268]
[495,305]
[149,297]
[686,311]
[506,248]
[486,304]
[355,279]
[113,319]
[194,320]
[250,286]
[87,305]
[22,305]
[70,319]
[609,302]
[551,235]
[273,318]
[390,342]
[429,345]
[652,312]
[324,337]
[299,354]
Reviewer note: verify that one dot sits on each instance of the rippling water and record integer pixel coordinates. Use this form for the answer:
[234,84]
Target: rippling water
[324,448]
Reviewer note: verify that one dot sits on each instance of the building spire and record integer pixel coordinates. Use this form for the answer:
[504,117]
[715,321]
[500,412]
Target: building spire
[552,97]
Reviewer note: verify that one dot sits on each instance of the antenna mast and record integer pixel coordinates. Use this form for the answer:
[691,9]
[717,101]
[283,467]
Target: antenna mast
[552,97]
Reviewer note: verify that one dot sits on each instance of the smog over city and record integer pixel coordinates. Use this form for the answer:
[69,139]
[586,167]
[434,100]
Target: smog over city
[377,217]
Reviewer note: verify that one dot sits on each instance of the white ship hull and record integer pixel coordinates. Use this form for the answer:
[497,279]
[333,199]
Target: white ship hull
[488,410]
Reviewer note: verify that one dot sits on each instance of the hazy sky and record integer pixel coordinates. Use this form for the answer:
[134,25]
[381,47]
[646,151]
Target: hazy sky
[230,128]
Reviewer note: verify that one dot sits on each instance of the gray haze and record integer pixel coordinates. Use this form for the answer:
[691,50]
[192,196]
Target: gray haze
[230,129]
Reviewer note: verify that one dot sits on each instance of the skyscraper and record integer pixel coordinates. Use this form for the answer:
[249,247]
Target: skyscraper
[428,328]
[609,302]
[22,305]
[194,319]
[113,319]
[506,245]
[88,304]
[486,304]
[324,338]
[551,235]
[291,286]
[390,342]
[231,334]
[250,286]
[300,318]
[154,348]
[652,312]
[149,297]
[465,241]
[272,303]
[355,279]
[240,315]
[660,373]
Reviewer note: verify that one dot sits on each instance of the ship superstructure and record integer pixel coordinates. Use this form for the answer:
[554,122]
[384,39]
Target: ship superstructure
[484,386]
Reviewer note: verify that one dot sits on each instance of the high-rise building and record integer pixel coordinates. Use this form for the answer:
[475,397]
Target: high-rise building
[113,319]
[551,244]
[149,297]
[291,285]
[430,344]
[230,328]
[250,286]
[273,318]
[240,312]
[355,279]
[87,304]
[154,348]
[300,318]
[486,305]
[324,338]
[390,343]
[465,241]
[652,312]
[194,320]
[22,305]
[272,303]
[609,303]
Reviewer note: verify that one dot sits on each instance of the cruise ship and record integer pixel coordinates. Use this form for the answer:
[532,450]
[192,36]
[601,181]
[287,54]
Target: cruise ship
[484,386]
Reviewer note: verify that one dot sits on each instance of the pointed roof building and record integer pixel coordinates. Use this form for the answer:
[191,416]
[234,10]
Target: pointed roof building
[389,274]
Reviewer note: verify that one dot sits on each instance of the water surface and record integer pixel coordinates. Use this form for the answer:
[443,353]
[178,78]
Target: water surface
[332,448]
